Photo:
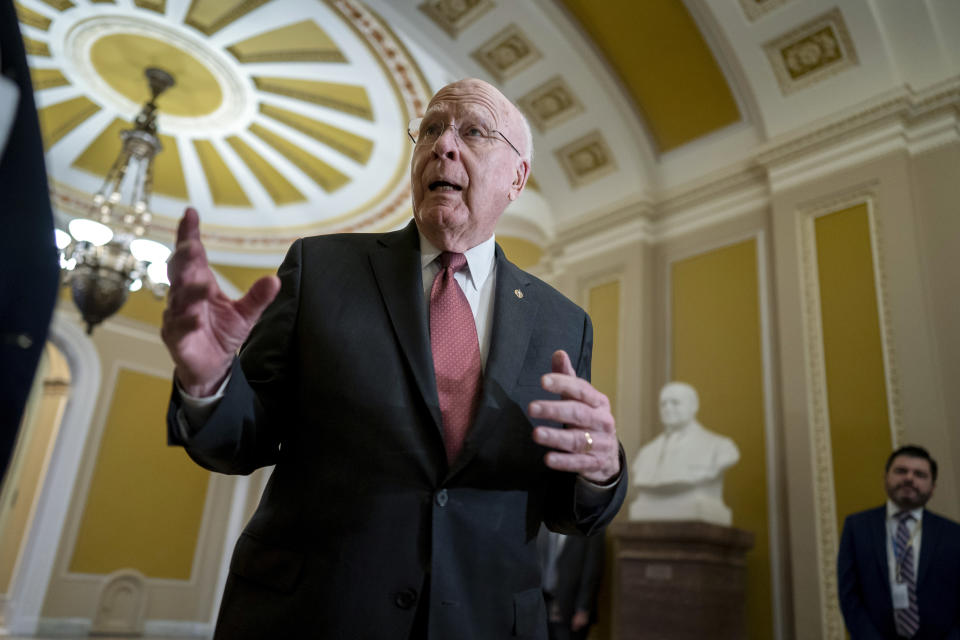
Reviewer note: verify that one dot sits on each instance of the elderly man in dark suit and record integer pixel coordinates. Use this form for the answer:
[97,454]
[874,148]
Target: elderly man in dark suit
[899,564]
[407,386]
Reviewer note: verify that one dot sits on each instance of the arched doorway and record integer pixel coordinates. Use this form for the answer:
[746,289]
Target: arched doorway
[21,486]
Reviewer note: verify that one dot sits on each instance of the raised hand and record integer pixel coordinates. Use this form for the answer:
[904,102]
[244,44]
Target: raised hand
[202,327]
[588,445]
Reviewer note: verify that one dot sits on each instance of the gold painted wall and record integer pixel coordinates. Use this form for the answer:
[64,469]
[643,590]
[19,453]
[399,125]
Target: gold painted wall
[853,356]
[716,346]
[604,310]
[520,252]
[144,507]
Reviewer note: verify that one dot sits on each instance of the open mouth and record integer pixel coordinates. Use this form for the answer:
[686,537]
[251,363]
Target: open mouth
[442,185]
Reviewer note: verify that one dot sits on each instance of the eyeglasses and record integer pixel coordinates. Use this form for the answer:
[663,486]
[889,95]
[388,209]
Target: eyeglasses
[475,136]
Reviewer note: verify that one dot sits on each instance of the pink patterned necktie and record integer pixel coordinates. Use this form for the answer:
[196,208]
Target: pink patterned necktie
[456,353]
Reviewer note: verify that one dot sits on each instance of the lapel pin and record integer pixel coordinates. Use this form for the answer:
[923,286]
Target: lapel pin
[518,293]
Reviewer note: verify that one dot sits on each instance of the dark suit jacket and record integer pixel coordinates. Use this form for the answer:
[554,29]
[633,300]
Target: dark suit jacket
[864,584]
[579,569]
[28,258]
[362,518]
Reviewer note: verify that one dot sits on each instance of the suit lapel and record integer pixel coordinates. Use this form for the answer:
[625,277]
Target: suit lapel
[930,538]
[878,531]
[396,267]
[515,310]
[514,315]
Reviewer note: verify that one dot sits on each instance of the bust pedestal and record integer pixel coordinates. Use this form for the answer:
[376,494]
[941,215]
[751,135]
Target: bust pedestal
[682,580]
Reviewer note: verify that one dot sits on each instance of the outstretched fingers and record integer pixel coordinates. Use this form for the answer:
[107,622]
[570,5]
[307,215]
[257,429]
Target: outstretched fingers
[261,294]
[188,263]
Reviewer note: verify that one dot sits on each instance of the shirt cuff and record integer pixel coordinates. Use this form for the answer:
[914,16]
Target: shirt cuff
[590,494]
[194,411]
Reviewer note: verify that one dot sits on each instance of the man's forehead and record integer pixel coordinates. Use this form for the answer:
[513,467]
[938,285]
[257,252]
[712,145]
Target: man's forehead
[912,462]
[470,96]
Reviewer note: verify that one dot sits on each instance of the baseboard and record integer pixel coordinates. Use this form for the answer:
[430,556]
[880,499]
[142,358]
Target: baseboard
[63,627]
[178,629]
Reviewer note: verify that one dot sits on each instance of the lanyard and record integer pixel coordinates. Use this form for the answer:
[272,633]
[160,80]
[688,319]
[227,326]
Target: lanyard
[899,560]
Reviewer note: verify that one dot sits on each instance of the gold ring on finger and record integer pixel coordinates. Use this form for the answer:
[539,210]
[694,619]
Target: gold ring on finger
[589,439]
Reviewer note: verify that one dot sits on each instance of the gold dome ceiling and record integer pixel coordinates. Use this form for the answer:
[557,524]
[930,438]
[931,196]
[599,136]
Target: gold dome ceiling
[287,118]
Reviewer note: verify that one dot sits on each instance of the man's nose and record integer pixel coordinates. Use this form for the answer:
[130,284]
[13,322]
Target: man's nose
[447,143]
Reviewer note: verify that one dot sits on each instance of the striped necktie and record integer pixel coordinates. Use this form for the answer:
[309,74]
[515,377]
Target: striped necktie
[907,620]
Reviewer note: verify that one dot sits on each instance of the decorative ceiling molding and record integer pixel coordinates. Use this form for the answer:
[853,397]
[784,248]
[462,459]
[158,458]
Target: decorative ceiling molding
[507,53]
[902,105]
[294,146]
[812,52]
[454,16]
[550,104]
[210,16]
[304,41]
[755,9]
[586,159]
[904,118]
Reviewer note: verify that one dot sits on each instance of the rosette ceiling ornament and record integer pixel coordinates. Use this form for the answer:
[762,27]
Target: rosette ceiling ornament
[104,258]
[288,117]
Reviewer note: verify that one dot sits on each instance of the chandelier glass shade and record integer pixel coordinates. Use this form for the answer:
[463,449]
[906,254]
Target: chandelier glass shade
[105,256]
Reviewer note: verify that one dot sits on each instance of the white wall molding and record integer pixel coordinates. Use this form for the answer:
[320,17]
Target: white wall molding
[177,629]
[35,566]
[902,120]
[625,226]
[898,119]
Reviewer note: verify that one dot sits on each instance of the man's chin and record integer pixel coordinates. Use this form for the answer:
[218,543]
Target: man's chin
[911,502]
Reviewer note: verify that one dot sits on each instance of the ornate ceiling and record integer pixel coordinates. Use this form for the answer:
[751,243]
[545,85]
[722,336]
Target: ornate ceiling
[289,116]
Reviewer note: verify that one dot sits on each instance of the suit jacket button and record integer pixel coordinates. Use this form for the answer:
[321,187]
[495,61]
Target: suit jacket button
[442,498]
[405,598]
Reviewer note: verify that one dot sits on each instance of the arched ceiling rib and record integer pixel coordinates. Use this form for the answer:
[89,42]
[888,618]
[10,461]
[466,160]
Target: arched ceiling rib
[289,116]
[664,62]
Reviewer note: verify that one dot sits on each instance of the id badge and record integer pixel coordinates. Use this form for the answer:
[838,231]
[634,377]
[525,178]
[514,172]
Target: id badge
[901,598]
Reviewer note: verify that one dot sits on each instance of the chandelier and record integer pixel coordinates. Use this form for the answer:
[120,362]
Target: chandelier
[105,256]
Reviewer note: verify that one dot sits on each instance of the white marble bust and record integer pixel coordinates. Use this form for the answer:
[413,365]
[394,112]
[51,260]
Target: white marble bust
[679,474]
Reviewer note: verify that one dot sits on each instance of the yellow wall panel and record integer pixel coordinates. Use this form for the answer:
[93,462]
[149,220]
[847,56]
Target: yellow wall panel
[520,252]
[716,346]
[853,358]
[145,504]
[604,309]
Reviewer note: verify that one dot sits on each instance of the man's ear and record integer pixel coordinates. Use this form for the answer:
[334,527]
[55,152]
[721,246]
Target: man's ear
[520,180]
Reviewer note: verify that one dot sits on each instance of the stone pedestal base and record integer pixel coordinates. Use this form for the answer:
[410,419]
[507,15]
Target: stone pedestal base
[680,580]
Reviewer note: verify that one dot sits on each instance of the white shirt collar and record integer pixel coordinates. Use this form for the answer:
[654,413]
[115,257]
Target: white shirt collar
[479,258]
[893,510]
